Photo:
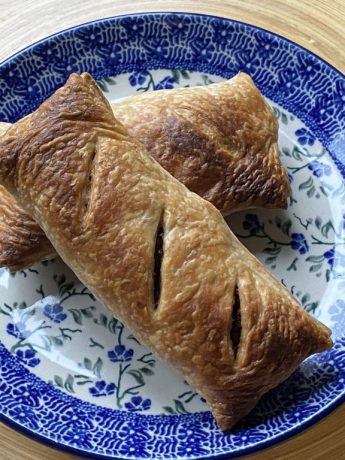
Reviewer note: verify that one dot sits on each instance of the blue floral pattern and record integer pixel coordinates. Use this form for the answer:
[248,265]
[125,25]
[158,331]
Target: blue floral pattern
[120,354]
[305,136]
[55,313]
[334,258]
[28,357]
[319,169]
[166,83]
[299,243]
[28,398]
[329,256]
[18,330]
[24,415]
[101,388]
[76,417]
[138,78]
[111,365]
[138,404]
[251,223]
[79,438]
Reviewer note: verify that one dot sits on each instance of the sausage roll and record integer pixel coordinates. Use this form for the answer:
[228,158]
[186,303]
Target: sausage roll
[160,257]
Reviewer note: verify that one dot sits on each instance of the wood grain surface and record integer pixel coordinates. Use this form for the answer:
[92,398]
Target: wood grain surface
[315,24]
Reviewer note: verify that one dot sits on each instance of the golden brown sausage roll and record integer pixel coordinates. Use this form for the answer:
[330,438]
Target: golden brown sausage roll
[158,256]
[219,140]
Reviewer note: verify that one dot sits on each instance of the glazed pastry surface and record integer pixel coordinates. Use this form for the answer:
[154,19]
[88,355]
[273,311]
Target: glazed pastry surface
[22,241]
[158,256]
[219,140]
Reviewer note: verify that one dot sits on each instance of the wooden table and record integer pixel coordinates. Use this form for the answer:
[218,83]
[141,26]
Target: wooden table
[316,24]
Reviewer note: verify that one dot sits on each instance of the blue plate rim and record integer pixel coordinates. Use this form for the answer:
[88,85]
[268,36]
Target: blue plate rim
[336,72]
[153,13]
[245,451]
[336,403]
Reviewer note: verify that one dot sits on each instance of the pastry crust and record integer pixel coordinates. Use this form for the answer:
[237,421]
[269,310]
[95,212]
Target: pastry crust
[219,140]
[22,242]
[103,202]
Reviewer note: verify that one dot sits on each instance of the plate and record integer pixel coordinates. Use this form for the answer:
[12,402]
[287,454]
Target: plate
[73,376]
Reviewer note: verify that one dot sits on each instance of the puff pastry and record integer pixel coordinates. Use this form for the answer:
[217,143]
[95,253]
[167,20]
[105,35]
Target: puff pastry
[158,256]
[219,140]
[22,241]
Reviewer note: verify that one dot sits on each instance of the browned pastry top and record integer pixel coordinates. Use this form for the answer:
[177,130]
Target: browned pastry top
[157,255]
[219,140]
